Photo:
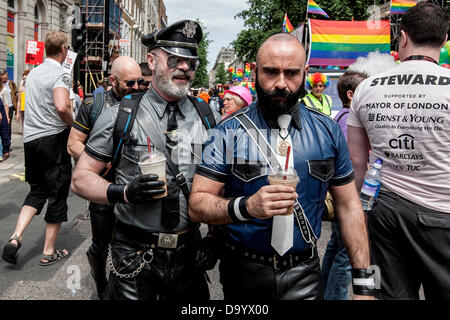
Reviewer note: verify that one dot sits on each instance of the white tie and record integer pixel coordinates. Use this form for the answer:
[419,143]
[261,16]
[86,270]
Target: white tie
[283,226]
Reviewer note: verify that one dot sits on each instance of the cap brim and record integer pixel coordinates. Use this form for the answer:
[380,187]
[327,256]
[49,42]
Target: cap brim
[181,52]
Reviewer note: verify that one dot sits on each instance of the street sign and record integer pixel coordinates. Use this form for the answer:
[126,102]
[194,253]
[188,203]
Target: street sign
[124,42]
[35,52]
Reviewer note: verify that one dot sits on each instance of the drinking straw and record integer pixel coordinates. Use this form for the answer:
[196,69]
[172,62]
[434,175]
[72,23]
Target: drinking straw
[287,161]
[149,147]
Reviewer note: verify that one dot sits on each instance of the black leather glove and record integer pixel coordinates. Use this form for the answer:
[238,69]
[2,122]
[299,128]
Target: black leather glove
[141,189]
[207,254]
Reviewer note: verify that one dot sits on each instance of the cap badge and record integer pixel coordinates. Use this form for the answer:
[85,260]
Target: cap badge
[189,29]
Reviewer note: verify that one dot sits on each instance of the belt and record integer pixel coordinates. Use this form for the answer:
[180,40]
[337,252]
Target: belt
[275,261]
[156,239]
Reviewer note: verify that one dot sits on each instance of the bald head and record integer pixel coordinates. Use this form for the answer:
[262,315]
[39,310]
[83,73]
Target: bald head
[281,44]
[125,72]
[124,64]
[280,69]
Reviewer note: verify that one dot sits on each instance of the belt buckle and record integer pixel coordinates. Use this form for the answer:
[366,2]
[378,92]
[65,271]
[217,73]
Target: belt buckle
[167,240]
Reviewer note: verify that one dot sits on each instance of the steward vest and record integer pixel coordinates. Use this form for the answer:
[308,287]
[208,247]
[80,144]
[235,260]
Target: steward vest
[311,101]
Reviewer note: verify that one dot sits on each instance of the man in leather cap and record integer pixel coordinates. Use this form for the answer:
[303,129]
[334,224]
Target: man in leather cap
[155,244]
[125,78]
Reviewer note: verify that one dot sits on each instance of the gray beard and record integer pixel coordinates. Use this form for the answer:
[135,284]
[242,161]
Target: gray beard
[165,84]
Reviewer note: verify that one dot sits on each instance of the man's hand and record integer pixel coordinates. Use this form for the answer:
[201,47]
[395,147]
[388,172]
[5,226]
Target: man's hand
[7,117]
[143,189]
[271,200]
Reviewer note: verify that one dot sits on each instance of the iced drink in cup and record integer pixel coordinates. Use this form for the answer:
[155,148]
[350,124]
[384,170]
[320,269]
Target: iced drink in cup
[283,177]
[154,163]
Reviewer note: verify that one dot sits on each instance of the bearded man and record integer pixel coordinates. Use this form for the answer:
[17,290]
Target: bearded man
[266,252]
[155,244]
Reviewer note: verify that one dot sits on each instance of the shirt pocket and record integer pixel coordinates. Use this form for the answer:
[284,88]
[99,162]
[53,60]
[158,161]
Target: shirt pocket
[247,171]
[130,159]
[319,173]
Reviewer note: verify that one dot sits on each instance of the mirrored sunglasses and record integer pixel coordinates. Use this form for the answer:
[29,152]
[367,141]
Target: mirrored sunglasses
[130,83]
[174,61]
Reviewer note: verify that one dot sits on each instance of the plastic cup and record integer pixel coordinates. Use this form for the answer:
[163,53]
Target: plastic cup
[283,177]
[155,164]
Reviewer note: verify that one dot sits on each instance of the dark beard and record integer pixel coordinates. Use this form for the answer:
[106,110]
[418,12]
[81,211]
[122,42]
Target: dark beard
[272,109]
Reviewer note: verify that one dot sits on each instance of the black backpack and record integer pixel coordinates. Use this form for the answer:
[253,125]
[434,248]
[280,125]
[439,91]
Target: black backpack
[127,114]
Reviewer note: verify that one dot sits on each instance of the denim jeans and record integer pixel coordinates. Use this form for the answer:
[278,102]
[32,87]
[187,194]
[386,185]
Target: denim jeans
[336,268]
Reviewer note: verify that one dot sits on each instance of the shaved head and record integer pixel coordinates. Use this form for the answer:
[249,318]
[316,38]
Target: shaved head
[124,64]
[279,42]
[280,74]
[125,70]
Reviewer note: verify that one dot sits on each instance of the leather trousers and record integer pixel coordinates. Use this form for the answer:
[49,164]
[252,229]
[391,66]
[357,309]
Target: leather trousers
[102,225]
[168,274]
[244,280]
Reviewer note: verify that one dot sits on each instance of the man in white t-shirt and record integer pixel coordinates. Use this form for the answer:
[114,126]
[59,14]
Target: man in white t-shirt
[48,168]
[403,115]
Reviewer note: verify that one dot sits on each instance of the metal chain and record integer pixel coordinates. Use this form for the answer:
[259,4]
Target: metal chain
[128,275]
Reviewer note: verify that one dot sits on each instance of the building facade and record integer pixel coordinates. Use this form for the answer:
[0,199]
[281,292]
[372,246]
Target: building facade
[229,58]
[139,17]
[23,20]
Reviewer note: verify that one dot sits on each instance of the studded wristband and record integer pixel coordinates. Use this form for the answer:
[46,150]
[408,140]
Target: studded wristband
[362,281]
[115,193]
[237,209]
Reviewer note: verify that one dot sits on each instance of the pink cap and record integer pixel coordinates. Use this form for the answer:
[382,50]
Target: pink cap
[241,92]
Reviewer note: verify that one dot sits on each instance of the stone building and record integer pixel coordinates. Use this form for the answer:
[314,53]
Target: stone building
[23,20]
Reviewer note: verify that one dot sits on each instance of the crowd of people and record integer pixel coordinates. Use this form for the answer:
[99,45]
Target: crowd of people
[146,225]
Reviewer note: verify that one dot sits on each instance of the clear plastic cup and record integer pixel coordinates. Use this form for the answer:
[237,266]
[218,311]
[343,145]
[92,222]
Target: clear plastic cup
[154,163]
[288,177]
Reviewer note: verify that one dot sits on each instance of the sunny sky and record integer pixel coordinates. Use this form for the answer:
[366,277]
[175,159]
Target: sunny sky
[216,15]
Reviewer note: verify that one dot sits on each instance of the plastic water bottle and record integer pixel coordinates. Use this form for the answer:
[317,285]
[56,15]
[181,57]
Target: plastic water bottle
[371,185]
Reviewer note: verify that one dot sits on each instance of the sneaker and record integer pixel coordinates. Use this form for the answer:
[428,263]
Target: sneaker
[1,159]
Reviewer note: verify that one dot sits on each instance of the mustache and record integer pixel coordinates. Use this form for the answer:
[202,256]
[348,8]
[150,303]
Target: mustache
[181,74]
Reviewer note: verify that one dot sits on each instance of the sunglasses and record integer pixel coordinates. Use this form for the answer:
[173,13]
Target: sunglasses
[130,83]
[173,61]
[145,83]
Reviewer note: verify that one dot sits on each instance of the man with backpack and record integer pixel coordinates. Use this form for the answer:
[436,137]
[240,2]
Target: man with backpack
[125,77]
[155,245]
[216,103]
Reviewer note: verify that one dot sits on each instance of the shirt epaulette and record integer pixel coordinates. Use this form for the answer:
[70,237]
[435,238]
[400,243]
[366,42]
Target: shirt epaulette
[318,112]
[234,114]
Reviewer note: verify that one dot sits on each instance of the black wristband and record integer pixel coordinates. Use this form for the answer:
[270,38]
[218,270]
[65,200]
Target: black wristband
[362,281]
[243,208]
[231,212]
[115,193]
[237,209]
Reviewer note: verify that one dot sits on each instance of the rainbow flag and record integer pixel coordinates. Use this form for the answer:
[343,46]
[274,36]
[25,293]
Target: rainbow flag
[340,43]
[287,26]
[401,6]
[314,8]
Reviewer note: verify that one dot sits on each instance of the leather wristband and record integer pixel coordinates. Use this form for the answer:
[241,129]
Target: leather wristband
[362,282]
[237,209]
[115,193]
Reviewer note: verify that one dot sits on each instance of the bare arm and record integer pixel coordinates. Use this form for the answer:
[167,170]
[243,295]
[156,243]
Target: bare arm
[62,105]
[75,144]
[352,223]
[353,226]
[206,205]
[86,181]
[358,144]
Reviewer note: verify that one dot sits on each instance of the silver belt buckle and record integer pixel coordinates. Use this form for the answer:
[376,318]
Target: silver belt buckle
[167,240]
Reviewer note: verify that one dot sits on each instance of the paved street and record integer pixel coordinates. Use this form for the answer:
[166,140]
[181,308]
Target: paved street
[30,281]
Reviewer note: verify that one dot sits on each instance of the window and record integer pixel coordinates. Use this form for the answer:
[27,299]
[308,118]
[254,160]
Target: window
[12,4]
[36,13]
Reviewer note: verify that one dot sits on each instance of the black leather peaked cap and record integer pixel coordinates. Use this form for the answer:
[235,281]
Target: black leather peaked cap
[180,38]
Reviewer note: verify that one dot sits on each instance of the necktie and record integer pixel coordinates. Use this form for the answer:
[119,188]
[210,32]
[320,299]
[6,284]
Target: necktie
[170,214]
[283,226]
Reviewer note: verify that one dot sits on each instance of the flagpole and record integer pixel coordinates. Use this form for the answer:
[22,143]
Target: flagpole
[310,41]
